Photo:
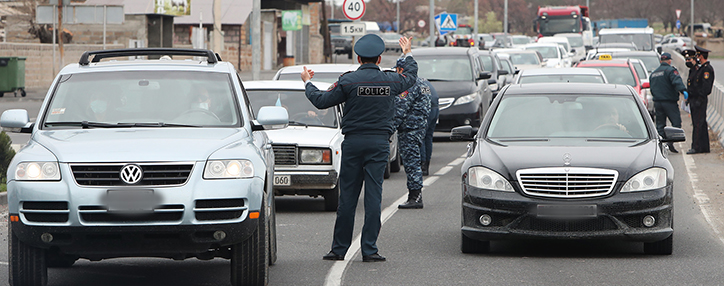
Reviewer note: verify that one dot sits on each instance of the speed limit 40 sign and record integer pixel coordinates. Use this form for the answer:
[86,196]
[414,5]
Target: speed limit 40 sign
[353,9]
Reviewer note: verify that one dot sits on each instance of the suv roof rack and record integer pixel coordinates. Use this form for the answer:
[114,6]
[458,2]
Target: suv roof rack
[212,57]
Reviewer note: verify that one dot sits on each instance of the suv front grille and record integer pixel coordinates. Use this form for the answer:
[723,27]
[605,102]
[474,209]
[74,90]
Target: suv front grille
[567,182]
[154,174]
[49,211]
[219,209]
[285,154]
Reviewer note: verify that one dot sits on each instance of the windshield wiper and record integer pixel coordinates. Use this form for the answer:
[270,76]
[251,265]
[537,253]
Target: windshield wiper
[83,124]
[298,123]
[155,124]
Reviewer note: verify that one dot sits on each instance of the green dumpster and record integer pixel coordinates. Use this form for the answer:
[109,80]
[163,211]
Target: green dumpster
[12,75]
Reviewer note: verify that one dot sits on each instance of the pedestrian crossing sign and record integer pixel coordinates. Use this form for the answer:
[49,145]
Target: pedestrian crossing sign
[446,22]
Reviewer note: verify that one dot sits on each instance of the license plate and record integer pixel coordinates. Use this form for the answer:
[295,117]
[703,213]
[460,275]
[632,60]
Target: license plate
[131,200]
[282,180]
[567,211]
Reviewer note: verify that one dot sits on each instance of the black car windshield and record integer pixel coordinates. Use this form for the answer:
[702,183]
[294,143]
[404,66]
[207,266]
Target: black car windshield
[562,78]
[300,110]
[153,98]
[543,116]
[451,68]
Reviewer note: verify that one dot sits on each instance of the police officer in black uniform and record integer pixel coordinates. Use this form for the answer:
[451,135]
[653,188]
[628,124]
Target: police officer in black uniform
[666,84]
[368,94]
[699,90]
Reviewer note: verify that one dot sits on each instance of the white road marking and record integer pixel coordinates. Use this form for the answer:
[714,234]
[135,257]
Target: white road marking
[701,198]
[334,276]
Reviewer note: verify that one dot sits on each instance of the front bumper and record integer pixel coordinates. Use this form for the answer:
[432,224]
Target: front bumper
[306,182]
[618,217]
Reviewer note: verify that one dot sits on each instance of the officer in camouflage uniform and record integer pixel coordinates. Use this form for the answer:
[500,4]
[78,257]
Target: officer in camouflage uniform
[368,96]
[666,84]
[411,110]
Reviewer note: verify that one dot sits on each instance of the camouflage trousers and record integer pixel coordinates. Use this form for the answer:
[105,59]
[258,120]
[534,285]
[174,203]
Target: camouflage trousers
[410,145]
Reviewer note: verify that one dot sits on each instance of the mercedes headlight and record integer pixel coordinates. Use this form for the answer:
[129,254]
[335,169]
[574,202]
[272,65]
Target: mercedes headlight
[228,169]
[315,156]
[465,99]
[484,178]
[37,171]
[654,178]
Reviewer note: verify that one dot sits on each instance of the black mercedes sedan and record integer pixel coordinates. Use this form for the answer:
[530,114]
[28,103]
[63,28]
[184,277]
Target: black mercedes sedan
[567,161]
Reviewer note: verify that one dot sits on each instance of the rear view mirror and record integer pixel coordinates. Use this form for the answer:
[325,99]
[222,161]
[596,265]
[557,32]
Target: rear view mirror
[673,134]
[462,133]
[484,75]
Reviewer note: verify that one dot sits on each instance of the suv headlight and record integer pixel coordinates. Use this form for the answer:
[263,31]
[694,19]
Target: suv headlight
[228,169]
[650,179]
[484,178]
[466,99]
[37,171]
[315,156]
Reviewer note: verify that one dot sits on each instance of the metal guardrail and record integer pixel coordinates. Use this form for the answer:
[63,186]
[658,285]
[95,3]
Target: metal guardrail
[715,108]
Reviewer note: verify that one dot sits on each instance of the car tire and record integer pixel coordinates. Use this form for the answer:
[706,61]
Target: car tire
[661,247]
[396,163]
[469,245]
[331,199]
[387,170]
[249,258]
[27,264]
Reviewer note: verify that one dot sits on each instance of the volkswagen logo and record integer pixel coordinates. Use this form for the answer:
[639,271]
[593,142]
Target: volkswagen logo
[131,174]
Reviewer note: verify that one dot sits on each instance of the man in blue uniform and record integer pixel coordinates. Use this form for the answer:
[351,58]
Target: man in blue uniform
[368,94]
[411,110]
[426,150]
[699,90]
[665,87]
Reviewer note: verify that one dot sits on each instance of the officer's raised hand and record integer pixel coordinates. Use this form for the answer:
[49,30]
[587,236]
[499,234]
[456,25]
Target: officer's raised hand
[406,45]
[307,74]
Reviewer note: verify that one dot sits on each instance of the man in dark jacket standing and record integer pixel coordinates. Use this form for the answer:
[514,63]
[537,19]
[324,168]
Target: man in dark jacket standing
[666,84]
[368,94]
[699,90]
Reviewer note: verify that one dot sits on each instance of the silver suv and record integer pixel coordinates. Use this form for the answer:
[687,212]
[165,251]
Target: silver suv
[156,158]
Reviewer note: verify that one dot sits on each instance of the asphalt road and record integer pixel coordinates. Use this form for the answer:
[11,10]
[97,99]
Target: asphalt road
[423,246]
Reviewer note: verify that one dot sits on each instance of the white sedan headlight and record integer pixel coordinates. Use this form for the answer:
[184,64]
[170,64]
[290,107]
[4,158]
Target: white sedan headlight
[228,169]
[654,178]
[315,156]
[465,99]
[484,178]
[37,171]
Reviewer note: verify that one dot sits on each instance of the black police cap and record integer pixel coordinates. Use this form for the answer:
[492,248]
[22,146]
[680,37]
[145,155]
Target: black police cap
[369,46]
[701,50]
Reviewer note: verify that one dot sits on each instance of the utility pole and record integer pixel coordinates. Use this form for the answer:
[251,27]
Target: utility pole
[218,37]
[475,28]
[431,23]
[398,16]
[256,40]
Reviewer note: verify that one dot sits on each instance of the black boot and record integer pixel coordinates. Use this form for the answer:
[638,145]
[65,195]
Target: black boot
[425,166]
[671,148]
[414,200]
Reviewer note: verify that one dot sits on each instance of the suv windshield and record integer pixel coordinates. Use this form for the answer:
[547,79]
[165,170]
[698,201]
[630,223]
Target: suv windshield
[146,98]
[444,68]
[567,116]
[300,109]
[643,42]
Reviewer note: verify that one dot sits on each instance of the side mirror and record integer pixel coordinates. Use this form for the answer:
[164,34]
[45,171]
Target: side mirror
[16,120]
[503,72]
[484,75]
[270,118]
[645,85]
[673,134]
[462,133]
